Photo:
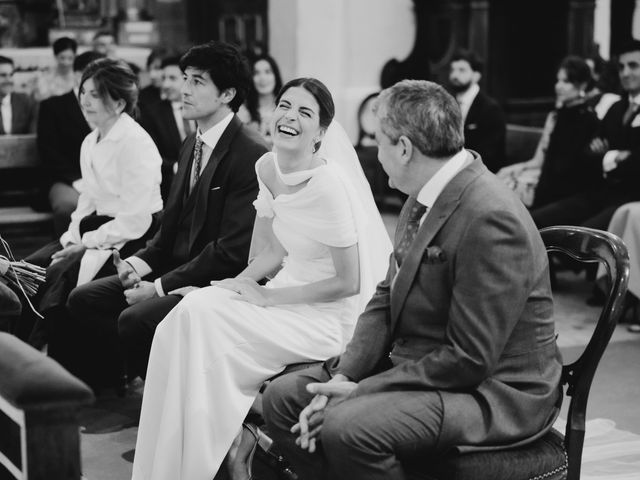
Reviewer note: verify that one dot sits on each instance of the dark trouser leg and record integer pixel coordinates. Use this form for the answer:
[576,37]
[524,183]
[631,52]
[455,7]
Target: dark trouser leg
[63,199]
[94,309]
[569,211]
[136,326]
[282,402]
[360,444]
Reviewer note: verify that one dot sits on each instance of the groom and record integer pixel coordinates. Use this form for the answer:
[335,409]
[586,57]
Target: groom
[457,346]
[207,223]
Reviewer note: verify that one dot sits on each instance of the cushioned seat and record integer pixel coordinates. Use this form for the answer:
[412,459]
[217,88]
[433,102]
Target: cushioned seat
[544,459]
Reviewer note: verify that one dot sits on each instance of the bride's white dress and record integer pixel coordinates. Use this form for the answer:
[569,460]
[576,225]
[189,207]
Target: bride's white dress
[211,353]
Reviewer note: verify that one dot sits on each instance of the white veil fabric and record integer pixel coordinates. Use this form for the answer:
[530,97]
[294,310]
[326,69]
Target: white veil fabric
[374,244]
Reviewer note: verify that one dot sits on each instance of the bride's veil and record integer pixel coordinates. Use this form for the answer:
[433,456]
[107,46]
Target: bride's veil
[374,245]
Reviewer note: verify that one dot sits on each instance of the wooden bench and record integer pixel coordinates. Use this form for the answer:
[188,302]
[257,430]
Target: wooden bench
[21,180]
[39,402]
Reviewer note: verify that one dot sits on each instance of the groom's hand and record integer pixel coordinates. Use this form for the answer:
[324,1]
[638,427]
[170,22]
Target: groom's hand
[127,275]
[142,291]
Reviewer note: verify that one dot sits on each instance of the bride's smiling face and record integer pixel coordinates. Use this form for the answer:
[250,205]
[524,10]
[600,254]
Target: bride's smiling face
[296,121]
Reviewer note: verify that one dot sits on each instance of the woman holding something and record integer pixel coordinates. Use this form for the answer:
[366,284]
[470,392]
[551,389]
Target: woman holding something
[261,99]
[119,195]
[316,218]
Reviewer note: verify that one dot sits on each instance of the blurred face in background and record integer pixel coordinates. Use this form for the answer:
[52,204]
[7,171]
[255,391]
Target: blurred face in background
[6,79]
[462,76]
[567,91]
[263,78]
[106,45]
[629,69]
[172,80]
[64,60]
[156,73]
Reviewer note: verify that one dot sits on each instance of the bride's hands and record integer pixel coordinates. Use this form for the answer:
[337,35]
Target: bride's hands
[248,290]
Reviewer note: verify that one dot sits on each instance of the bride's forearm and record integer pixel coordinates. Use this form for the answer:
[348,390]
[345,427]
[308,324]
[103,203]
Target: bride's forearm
[264,264]
[327,290]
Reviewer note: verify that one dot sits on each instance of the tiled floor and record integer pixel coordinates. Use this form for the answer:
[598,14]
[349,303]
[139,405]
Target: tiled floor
[109,427]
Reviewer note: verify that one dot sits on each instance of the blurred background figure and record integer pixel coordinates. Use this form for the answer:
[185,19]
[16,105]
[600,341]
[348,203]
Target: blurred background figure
[18,110]
[558,169]
[151,93]
[61,130]
[258,108]
[163,120]
[104,42]
[60,79]
[606,87]
[484,121]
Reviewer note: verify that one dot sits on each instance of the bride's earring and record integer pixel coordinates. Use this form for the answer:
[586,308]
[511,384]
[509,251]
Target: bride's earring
[316,145]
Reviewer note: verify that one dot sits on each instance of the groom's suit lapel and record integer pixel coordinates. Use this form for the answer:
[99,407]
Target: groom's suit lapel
[446,203]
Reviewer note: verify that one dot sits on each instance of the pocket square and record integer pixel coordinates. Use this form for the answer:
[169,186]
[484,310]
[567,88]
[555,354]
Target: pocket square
[215,188]
[434,255]
[472,126]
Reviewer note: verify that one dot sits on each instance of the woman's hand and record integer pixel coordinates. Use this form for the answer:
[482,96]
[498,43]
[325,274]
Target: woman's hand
[68,252]
[247,289]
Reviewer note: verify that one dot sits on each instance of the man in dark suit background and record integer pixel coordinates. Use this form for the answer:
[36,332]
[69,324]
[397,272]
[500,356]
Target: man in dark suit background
[457,346]
[61,131]
[484,122]
[164,121]
[615,153]
[207,222]
[18,111]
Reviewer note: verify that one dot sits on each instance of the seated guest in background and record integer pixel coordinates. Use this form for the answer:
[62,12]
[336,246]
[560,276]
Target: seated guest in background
[626,224]
[165,123]
[560,159]
[151,93]
[62,128]
[614,153]
[117,206]
[606,89]
[258,109]
[18,110]
[457,346]
[104,42]
[206,225]
[61,78]
[485,127]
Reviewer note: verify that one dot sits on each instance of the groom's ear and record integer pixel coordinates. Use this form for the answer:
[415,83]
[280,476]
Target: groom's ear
[406,149]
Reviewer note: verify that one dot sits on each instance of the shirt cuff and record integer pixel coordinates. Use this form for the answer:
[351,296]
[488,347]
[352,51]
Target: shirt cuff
[158,284]
[609,160]
[141,267]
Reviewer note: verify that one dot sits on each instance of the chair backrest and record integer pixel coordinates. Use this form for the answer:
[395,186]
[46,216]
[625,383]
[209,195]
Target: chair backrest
[589,245]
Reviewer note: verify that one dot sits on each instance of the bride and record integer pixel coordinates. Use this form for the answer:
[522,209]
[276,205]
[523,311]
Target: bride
[317,222]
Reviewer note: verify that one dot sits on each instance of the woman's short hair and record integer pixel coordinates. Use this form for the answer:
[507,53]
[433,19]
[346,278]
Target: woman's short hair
[425,113]
[64,43]
[113,79]
[319,91]
[226,66]
[577,70]
[252,95]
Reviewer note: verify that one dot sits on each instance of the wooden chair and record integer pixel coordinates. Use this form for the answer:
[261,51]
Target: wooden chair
[553,457]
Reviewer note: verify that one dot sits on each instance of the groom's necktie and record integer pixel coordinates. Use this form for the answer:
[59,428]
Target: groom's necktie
[630,113]
[197,162]
[410,232]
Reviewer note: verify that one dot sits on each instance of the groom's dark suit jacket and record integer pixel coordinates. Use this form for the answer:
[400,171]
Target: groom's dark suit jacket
[205,235]
[485,131]
[468,314]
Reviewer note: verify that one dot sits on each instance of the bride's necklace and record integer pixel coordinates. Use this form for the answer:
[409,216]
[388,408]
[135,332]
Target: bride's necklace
[293,178]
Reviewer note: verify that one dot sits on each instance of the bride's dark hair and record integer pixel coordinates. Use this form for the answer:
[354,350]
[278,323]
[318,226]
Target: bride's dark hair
[319,91]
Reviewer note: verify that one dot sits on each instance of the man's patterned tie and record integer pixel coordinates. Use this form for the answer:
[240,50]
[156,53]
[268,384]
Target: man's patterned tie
[197,161]
[410,232]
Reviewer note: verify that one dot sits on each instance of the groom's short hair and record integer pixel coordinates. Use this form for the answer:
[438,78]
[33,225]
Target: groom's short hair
[226,66]
[425,113]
